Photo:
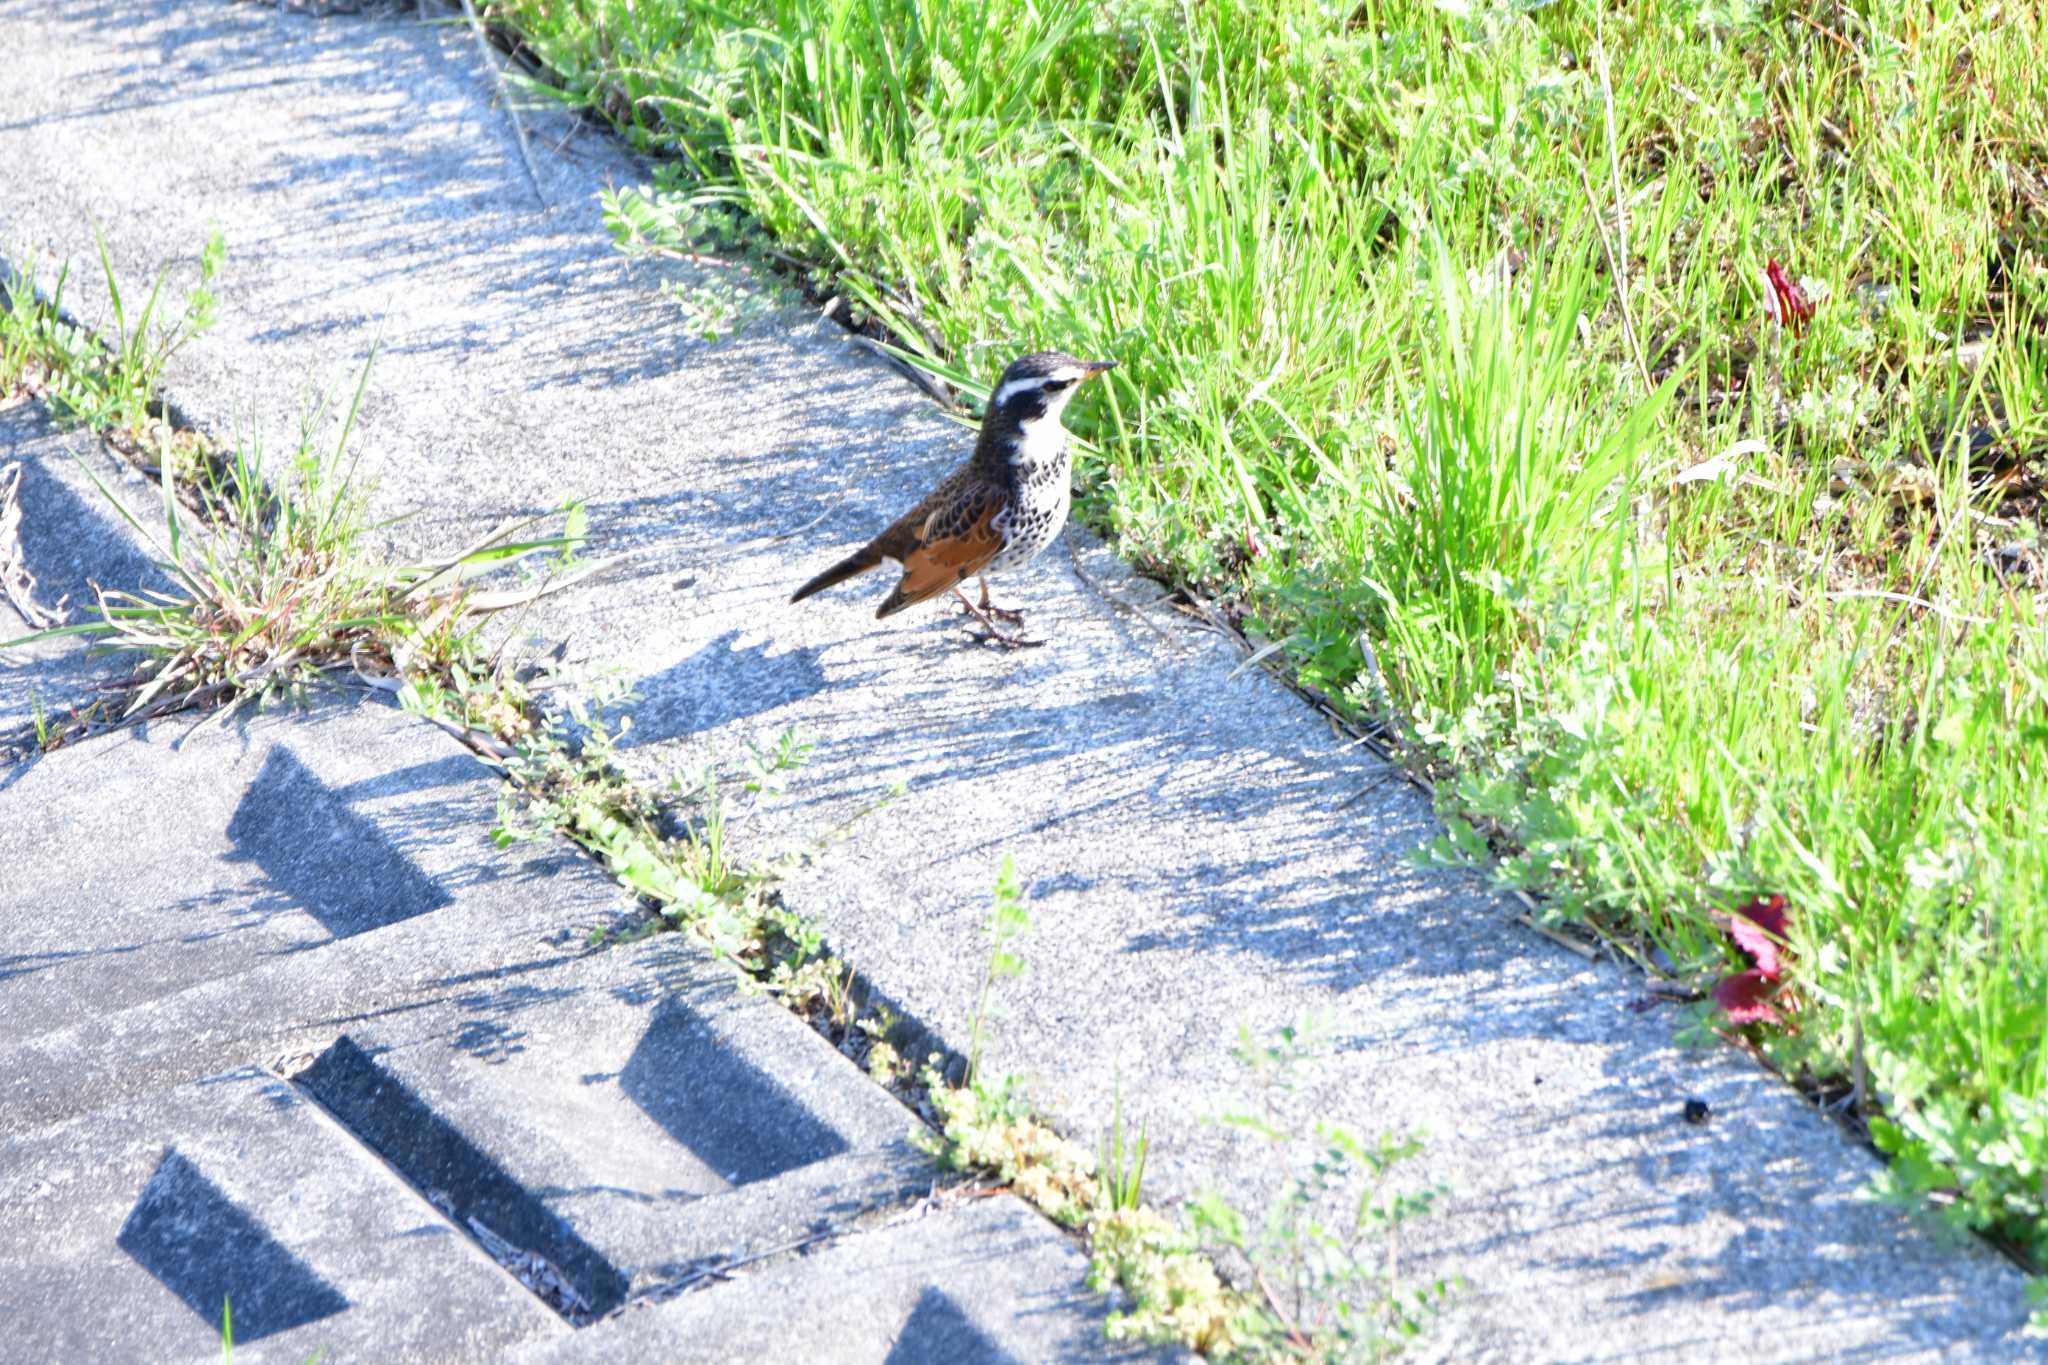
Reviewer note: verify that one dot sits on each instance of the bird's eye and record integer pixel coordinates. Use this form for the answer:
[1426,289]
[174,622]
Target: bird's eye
[1055,385]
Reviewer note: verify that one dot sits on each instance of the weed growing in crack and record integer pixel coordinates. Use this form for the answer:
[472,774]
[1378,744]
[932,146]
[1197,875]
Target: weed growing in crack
[1122,1164]
[1326,1257]
[94,381]
[669,221]
[275,587]
[36,344]
[1171,1291]
[886,1065]
[1008,921]
[1322,1264]
[120,388]
[288,594]
[107,384]
[563,777]
[669,848]
[771,766]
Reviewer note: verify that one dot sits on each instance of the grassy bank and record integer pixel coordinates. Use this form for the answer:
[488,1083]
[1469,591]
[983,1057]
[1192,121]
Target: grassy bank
[1449,358]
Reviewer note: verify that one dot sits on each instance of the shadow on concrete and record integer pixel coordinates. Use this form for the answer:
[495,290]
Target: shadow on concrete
[489,1035]
[205,1249]
[721,683]
[937,1332]
[1276,899]
[734,1117]
[454,1172]
[69,543]
[28,964]
[70,540]
[326,859]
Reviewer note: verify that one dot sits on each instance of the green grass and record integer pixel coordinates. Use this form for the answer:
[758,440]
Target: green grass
[1383,391]
[104,382]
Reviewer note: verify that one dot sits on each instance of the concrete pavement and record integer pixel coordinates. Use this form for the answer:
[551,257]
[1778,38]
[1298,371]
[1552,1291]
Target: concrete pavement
[1200,853]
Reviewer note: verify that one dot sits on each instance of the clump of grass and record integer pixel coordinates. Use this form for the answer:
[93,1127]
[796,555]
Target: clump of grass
[276,587]
[104,382]
[287,595]
[1452,364]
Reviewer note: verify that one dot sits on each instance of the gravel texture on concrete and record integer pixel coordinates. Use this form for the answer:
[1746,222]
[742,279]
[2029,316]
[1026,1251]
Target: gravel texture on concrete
[1201,854]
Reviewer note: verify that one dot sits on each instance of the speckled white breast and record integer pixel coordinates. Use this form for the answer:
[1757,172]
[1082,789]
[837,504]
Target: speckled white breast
[1028,526]
[1041,494]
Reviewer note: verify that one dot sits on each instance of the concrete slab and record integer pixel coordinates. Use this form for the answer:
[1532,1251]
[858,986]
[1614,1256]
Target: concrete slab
[1200,853]
[176,900]
[126,1231]
[69,539]
[987,1281]
[185,861]
[626,1115]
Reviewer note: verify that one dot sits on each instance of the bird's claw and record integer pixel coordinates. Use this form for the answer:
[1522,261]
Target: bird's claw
[987,612]
[992,636]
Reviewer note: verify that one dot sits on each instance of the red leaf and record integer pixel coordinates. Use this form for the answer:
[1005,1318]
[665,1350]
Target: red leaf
[1784,301]
[1746,998]
[1759,930]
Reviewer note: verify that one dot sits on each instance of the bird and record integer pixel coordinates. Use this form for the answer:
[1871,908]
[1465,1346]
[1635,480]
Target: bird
[993,513]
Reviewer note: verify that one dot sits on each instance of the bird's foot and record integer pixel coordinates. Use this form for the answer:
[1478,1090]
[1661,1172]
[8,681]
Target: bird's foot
[988,614]
[989,611]
[992,636]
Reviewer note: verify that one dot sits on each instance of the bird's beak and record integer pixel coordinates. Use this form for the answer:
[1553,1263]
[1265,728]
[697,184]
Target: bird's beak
[1091,368]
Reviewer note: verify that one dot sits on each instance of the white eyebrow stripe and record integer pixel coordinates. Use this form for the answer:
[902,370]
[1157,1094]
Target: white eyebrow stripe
[1036,381]
[1015,387]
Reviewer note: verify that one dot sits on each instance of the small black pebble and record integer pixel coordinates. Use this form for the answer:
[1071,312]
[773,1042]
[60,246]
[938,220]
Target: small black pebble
[1696,1111]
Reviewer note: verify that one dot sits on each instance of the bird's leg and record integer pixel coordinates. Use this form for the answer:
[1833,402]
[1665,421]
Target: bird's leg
[988,608]
[992,633]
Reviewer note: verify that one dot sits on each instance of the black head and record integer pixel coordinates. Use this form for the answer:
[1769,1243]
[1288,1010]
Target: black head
[1038,385]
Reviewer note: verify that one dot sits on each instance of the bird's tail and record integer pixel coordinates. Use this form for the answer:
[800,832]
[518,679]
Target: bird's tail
[854,565]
